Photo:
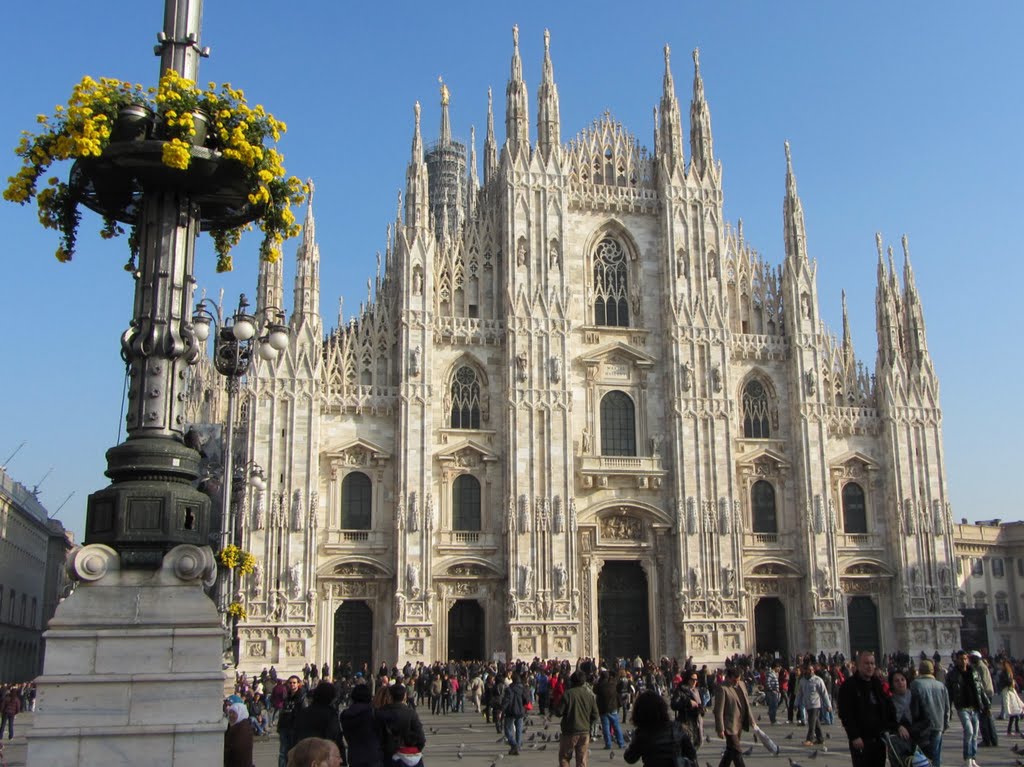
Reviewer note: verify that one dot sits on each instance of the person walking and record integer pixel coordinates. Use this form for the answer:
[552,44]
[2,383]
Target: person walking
[866,713]
[929,712]
[400,731]
[656,740]
[608,708]
[732,716]
[294,701]
[359,728]
[513,709]
[986,727]
[771,691]
[690,709]
[812,696]
[579,714]
[238,737]
[10,707]
[967,695]
[320,718]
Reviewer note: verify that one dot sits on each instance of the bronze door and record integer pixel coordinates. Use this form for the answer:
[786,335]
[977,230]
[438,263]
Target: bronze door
[623,622]
[466,630]
[862,615]
[770,627]
[353,635]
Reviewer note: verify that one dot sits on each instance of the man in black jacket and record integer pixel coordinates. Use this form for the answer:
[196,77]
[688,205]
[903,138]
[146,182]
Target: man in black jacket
[866,712]
[608,707]
[401,732]
[295,701]
[967,695]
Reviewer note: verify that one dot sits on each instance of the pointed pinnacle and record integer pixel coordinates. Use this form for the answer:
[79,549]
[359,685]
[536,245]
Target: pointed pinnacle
[878,244]
[906,249]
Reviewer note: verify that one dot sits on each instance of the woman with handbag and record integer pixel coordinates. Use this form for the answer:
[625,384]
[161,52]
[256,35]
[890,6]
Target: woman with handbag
[690,709]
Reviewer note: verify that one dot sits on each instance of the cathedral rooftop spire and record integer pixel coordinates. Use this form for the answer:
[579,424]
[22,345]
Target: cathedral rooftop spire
[793,215]
[548,126]
[417,139]
[847,335]
[446,126]
[306,306]
[517,121]
[701,144]
[670,132]
[490,145]
[417,196]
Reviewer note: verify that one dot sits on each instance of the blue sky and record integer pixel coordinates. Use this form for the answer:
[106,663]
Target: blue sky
[903,117]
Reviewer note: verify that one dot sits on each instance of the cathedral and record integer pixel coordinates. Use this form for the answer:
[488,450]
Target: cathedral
[580,415]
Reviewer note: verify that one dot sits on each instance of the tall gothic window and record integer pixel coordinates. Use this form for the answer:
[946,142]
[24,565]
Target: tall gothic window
[762,502]
[618,424]
[466,503]
[356,501]
[855,518]
[755,411]
[465,399]
[611,288]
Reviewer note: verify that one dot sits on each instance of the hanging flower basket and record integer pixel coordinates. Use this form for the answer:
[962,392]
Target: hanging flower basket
[127,141]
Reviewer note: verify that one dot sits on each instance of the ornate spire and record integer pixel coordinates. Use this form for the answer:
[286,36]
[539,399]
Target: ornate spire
[446,126]
[847,336]
[701,144]
[916,340]
[490,145]
[886,322]
[670,128]
[793,216]
[416,186]
[306,307]
[548,126]
[517,120]
[472,181]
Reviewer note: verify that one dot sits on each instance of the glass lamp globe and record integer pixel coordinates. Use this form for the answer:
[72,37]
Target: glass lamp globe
[279,337]
[243,329]
[202,327]
[267,352]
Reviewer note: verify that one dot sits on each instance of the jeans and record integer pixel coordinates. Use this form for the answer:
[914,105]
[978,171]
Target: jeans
[288,742]
[514,730]
[931,746]
[609,726]
[969,721]
[772,699]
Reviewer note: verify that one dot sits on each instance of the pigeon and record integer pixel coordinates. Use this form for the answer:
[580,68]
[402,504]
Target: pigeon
[458,755]
[543,747]
[471,725]
[499,740]
[1016,748]
[546,723]
[759,717]
[611,755]
[532,737]
[828,735]
[749,751]
[814,754]
[492,764]
[789,737]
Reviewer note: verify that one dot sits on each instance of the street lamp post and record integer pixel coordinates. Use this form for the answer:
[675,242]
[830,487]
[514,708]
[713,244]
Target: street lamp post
[236,339]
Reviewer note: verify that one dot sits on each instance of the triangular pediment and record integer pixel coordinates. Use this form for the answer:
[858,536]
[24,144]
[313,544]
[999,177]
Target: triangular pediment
[467,453]
[764,455]
[854,457]
[358,452]
[618,352]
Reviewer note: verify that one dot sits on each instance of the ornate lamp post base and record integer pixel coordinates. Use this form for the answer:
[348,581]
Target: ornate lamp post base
[128,656]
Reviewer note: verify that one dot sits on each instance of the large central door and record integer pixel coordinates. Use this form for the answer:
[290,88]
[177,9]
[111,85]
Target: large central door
[862,615]
[353,635]
[623,622]
[770,627]
[466,630]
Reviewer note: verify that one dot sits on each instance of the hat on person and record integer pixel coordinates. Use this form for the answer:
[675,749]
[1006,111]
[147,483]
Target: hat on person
[926,667]
[974,654]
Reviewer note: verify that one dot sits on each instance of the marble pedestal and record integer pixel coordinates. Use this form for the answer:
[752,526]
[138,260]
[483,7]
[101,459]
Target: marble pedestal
[133,670]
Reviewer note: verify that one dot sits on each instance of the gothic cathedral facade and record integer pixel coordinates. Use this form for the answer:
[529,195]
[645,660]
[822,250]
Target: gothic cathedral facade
[579,415]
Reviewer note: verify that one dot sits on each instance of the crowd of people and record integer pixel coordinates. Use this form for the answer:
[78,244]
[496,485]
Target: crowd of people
[892,706]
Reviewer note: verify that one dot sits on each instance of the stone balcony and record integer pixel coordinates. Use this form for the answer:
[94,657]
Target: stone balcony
[479,542]
[859,542]
[597,470]
[364,541]
[765,542]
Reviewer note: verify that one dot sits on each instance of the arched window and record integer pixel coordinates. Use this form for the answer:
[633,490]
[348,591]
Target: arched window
[466,503]
[356,501]
[611,285]
[762,502]
[618,425]
[755,411]
[855,518]
[465,399]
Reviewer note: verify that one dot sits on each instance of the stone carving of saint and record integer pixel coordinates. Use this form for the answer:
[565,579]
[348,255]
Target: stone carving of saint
[588,443]
[412,580]
[257,581]
[521,253]
[556,369]
[656,446]
[695,581]
[554,261]
[294,581]
[686,374]
[561,580]
[414,361]
[729,580]
[297,510]
[521,366]
[716,378]
[417,282]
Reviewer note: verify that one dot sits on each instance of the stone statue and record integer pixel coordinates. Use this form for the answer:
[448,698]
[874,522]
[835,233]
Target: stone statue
[521,366]
[587,441]
[294,581]
[412,580]
[556,369]
[656,446]
[695,580]
[686,374]
[258,514]
[417,282]
[414,361]
[414,517]
[716,378]
[729,580]
[561,580]
[521,253]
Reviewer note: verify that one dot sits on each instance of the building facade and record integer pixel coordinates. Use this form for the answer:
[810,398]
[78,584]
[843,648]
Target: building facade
[579,414]
[33,549]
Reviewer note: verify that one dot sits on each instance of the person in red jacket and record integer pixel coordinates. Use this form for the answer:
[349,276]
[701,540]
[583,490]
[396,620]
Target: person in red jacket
[10,707]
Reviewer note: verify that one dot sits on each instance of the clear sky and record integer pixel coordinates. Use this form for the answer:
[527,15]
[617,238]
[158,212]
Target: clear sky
[903,117]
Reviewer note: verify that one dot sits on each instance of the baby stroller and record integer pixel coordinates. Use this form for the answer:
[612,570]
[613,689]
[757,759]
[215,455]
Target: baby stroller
[903,753]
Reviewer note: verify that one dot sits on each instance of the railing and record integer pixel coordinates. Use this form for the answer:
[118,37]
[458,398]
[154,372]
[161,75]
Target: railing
[599,463]
[766,538]
[469,539]
[355,538]
[460,536]
[858,540]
